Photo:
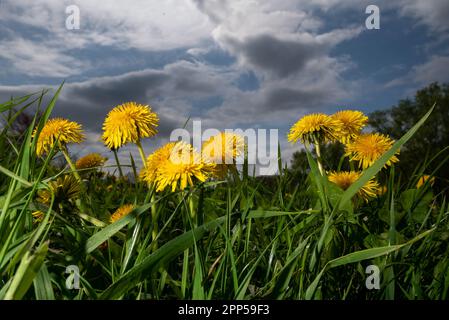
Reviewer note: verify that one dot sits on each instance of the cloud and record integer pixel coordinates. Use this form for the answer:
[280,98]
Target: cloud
[166,90]
[277,38]
[36,42]
[284,57]
[281,57]
[146,25]
[432,13]
[272,33]
[35,59]
[436,68]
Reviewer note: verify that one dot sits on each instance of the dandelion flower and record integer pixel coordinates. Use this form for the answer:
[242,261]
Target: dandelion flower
[351,123]
[64,188]
[423,180]
[222,150]
[345,179]
[154,161]
[367,148]
[121,212]
[129,122]
[90,161]
[58,129]
[38,216]
[381,191]
[314,127]
[181,168]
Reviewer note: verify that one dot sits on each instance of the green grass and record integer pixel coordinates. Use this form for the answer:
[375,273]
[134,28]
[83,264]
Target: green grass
[296,237]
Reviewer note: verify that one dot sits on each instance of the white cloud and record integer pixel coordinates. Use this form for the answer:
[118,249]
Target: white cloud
[142,24]
[37,59]
[37,43]
[436,68]
[433,13]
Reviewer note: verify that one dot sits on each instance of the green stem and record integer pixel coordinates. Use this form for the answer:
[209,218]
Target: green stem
[92,220]
[318,153]
[185,273]
[118,163]
[154,217]
[82,215]
[70,163]
[192,210]
[235,173]
[185,263]
[151,187]
[142,153]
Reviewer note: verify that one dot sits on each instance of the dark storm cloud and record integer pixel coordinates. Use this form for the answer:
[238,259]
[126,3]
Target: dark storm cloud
[165,90]
[190,79]
[287,99]
[281,57]
[89,102]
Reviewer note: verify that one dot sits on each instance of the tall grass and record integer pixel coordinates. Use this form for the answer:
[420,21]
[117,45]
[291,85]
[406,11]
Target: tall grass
[292,238]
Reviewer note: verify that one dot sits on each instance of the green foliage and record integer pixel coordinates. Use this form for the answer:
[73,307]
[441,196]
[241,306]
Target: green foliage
[432,138]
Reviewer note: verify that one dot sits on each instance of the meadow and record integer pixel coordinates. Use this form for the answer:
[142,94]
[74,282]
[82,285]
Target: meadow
[196,228]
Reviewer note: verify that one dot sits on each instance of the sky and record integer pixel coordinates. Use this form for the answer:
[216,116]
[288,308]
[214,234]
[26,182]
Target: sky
[229,63]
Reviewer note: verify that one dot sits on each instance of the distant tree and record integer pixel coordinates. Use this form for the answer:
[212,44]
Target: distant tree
[430,139]
[299,162]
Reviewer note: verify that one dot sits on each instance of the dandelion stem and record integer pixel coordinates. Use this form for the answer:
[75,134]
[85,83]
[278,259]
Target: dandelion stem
[142,153]
[154,217]
[191,207]
[192,210]
[153,198]
[70,163]
[91,219]
[318,153]
[118,163]
[82,207]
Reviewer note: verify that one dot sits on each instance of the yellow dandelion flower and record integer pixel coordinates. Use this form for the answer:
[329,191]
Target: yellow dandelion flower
[64,188]
[367,148]
[38,216]
[58,129]
[223,150]
[381,191]
[182,167]
[129,122]
[121,212]
[90,161]
[345,179]
[154,161]
[351,122]
[317,126]
[423,180]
